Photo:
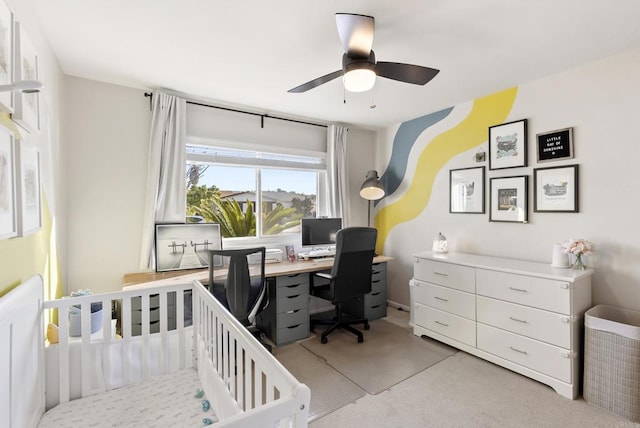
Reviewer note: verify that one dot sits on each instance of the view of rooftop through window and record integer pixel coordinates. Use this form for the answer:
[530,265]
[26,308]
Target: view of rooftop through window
[249,199]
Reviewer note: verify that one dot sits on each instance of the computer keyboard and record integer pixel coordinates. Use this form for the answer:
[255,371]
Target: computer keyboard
[321,253]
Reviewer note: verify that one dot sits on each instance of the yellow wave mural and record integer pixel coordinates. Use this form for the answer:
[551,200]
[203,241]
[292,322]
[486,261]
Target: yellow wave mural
[469,133]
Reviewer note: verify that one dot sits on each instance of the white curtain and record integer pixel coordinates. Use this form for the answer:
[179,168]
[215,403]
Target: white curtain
[337,180]
[166,185]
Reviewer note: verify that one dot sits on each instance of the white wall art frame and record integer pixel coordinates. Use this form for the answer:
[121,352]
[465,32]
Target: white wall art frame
[8,217]
[6,56]
[27,105]
[29,194]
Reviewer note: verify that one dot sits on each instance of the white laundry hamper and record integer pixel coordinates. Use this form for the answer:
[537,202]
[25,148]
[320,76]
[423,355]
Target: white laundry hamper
[612,360]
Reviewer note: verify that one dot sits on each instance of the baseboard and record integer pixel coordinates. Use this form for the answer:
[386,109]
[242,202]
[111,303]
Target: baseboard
[398,306]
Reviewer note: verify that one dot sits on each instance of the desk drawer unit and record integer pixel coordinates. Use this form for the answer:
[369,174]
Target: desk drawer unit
[524,315]
[374,304]
[154,314]
[286,319]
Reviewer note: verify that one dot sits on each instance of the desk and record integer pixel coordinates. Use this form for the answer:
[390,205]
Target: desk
[286,319]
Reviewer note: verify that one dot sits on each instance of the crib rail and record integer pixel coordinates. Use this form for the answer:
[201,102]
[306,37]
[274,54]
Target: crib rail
[233,364]
[100,361]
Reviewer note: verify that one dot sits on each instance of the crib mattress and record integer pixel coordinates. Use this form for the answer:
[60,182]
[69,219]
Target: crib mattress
[167,400]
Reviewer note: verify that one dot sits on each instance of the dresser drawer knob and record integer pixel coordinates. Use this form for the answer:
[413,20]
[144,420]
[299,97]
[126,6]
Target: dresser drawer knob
[518,320]
[565,320]
[519,290]
[440,298]
[518,350]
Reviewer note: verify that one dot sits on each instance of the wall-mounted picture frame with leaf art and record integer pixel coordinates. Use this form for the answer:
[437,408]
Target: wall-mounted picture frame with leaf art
[6,56]
[509,199]
[466,190]
[27,104]
[508,145]
[29,193]
[8,209]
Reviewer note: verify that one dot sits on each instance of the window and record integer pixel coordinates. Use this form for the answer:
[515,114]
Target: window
[251,193]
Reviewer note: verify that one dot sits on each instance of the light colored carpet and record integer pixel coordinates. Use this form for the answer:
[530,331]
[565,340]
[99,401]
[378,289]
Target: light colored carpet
[329,389]
[465,391]
[388,355]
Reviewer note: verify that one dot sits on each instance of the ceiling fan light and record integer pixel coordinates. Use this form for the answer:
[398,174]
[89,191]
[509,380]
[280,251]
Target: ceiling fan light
[359,79]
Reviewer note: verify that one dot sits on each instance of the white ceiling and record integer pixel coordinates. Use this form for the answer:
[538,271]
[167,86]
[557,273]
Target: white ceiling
[249,53]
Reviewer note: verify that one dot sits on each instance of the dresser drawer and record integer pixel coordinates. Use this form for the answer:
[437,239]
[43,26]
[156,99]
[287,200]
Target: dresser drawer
[378,286]
[544,358]
[531,291]
[379,271]
[298,278]
[446,299]
[548,327]
[293,302]
[453,326]
[447,274]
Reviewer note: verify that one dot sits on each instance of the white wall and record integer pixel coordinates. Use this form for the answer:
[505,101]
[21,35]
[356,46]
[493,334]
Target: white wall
[106,134]
[360,159]
[600,102]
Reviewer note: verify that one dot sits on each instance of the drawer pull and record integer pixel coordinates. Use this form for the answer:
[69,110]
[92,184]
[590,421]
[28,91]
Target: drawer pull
[293,297]
[440,298]
[292,286]
[564,286]
[440,274]
[293,311]
[293,326]
[441,323]
[518,350]
[517,320]
[565,320]
[375,307]
[519,290]
[293,275]
[375,281]
[375,294]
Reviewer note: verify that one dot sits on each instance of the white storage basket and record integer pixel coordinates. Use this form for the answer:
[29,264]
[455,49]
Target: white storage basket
[612,360]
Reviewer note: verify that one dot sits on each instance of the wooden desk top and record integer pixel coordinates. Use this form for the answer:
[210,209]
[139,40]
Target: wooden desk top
[154,279]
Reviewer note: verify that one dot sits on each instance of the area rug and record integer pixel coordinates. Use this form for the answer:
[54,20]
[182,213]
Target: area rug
[389,354]
[330,390]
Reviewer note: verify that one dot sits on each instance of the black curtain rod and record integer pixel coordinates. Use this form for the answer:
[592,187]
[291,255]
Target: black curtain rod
[262,116]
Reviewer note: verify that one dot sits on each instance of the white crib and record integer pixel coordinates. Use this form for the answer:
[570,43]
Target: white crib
[245,384]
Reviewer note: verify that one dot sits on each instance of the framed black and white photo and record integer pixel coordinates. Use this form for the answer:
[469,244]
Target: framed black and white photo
[8,211]
[27,104]
[466,190]
[28,189]
[508,145]
[6,56]
[555,145]
[509,196]
[556,189]
[185,245]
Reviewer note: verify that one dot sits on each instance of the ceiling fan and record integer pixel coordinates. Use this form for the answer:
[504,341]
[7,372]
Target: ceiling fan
[359,65]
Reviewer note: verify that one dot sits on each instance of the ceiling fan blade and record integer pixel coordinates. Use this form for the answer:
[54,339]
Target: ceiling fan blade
[407,73]
[316,82]
[356,33]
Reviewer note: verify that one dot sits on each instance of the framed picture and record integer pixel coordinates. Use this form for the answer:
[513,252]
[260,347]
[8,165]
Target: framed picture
[28,189]
[508,145]
[185,246]
[8,217]
[466,190]
[556,189]
[555,145]
[27,105]
[6,56]
[509,198]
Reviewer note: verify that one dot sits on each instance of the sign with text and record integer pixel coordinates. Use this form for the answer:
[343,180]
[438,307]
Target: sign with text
[555,145]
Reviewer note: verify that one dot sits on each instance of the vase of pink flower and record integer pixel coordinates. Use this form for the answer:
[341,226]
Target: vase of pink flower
[578,248]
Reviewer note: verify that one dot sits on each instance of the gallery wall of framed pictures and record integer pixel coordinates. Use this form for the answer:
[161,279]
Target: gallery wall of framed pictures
[555,188]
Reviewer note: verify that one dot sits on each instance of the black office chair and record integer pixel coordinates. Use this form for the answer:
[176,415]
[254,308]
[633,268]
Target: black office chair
[239,285]
[350,278]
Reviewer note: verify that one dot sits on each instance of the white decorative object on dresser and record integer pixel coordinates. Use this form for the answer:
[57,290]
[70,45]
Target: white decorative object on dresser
[522,315]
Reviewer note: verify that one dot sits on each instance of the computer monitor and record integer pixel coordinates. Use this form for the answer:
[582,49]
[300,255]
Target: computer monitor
[320,231]
[184,245]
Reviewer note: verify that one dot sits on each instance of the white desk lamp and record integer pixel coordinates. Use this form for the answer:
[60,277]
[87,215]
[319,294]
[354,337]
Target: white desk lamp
[371,190]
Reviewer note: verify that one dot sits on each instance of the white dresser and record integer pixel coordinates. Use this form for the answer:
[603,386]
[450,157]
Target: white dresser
[525,316]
